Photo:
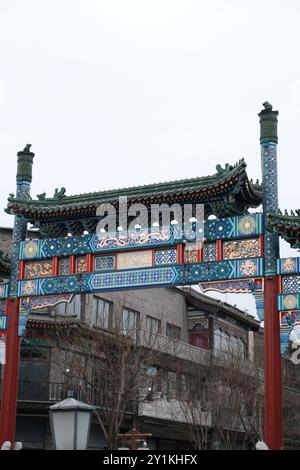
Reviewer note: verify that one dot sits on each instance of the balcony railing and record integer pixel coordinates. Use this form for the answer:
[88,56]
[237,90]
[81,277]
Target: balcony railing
[48,392]
[52,391]
[173,347]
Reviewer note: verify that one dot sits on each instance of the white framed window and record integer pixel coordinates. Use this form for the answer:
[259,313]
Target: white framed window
[221,340]
[173,331]
[130,320]
[153,324]
[101,313]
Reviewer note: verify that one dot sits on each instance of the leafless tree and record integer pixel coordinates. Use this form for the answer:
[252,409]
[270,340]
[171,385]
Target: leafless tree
[225,397]
[193,401]
[291,403]
[110,368]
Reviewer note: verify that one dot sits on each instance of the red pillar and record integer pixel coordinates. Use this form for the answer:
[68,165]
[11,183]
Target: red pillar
[272,367]
[11,374]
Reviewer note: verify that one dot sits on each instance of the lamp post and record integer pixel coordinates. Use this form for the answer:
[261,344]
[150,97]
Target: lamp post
[70,424]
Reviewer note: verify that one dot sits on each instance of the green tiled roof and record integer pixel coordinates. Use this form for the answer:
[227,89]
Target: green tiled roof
[286,225]
[231,179]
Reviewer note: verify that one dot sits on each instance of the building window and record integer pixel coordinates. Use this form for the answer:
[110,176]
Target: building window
[173,331]
[226,343]
[238,346]
[153,324]
[130,321]
[221,340]
[101,313]
[150,384]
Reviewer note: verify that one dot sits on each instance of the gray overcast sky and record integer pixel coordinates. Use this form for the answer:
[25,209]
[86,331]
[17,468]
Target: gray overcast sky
[119,93]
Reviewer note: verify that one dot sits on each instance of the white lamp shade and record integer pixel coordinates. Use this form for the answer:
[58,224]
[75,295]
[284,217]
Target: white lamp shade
[70,422]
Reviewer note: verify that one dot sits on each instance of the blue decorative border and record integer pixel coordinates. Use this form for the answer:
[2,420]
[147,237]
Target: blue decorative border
[288,320]
[287,302]
[41,249]
[4,291]
[3,322]
[144,277]
[228,228]
[288,265]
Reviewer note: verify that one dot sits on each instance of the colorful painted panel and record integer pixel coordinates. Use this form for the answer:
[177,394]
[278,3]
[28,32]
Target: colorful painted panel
[30,249]
[240,286]
[3,322]
[38,303]
[288,266]
[95,243]
[38,269]
[134,259]
[227,228]
[253,286]
[103,263]
[260,304]
[284,338]
[241,249]
[234,227]
[64,266]
[136,238]
[250,267]
[134,278]
[191,255]
[80,264]
[2,347]
[161,275]
[65,246]
[2,307]
[287,321]
[28,288]
[289,318]
[288,302]
[3,291]
[209,252]
[165,257]
[290,284]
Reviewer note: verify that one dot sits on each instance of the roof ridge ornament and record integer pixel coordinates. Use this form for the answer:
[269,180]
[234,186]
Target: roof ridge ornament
[27,148]
[59,194]
[268,107]
[226,168]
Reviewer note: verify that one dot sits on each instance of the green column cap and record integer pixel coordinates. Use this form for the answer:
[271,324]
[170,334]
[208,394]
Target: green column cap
[25,160]
[268,124]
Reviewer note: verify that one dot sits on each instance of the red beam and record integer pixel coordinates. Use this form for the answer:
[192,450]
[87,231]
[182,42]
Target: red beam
[89,263]
[11,373]
[21,269]
[219,247]
[272,367]
[180,253]
[72,264]
[199,252]
[279,284]
[55,266]
[153,257]
[261,245]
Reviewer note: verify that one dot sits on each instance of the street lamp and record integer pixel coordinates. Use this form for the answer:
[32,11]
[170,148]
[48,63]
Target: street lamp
[70,424]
